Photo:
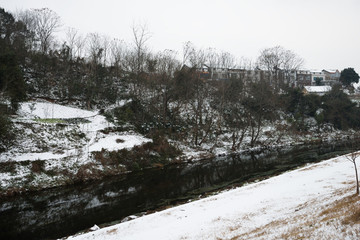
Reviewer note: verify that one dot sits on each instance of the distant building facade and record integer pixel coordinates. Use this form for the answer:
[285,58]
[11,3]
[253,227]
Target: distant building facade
[331,76]
[303,78]
[294,78]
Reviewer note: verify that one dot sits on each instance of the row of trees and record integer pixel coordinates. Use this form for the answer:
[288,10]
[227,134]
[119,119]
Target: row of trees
[84,66]
[199,112]
[167,93]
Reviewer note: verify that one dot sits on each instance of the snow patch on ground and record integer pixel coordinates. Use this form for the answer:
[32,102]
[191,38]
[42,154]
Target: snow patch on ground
[116,142]
[51,110]
[32,156]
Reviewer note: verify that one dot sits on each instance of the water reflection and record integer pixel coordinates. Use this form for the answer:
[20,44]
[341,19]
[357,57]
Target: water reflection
[59,212]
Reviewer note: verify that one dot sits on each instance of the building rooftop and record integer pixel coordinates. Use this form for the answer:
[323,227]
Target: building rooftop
[317,89]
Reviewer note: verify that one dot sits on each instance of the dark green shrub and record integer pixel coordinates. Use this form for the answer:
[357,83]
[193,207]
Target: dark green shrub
[340,111]
[7,135]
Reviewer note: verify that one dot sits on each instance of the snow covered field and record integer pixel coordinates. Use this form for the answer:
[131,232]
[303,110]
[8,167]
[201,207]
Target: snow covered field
[96,122]
[57,138]
[50,110]
[313,202]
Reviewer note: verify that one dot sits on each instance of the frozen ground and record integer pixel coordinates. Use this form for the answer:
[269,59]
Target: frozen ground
[31,110]
[53,138]
[94,123]
[313,202]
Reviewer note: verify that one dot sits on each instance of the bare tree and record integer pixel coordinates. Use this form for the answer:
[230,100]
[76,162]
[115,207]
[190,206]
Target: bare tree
[188,48]
[212,58]
[43,23]
[106,45]
[80,43]
[158,90]
[245,63]
[228,100]
[95,79]
[167,62]
[202,117]
[71,35]
[223,60]
[73,38]
[259,106]
[352,158]
[226,60]
[197,58]
[279,62]
[117,54]
[137,56]
[271,58]
[28,18]
[141,35]
[291,61]
[95,48]
[167,65]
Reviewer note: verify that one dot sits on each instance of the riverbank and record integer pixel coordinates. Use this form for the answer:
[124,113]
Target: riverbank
[61,145]
[313,202]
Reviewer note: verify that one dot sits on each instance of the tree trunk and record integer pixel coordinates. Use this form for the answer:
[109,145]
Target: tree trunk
[357,179]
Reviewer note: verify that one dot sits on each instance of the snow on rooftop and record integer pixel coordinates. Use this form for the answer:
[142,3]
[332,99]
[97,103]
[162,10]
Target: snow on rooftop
[315,71]
[317,89]
[331,70]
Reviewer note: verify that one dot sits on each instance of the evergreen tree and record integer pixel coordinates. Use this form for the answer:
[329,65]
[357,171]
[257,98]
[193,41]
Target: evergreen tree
[349,76]
[6,132]
[340,110]
[13,51]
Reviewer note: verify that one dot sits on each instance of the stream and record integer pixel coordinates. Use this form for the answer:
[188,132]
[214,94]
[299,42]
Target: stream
[59,212]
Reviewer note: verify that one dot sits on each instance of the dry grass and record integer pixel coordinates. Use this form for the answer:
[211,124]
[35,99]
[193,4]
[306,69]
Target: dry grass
[314,166]
[112,231]
[257,232]
[37,166]
[312,220]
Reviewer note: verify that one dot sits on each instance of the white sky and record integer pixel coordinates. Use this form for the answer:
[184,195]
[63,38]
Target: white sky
[323,32]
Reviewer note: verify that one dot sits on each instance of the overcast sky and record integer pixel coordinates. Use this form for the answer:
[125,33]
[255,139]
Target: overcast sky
[326,33]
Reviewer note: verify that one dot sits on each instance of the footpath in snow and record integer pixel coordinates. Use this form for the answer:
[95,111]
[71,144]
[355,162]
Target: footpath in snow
[307,203]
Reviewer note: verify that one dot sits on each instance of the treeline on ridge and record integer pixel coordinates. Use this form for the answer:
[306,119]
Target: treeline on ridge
[165,95]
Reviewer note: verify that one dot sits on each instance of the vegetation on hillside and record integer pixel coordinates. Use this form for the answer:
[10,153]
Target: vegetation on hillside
[166,95]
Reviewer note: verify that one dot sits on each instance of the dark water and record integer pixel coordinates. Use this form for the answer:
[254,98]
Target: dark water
[60,212]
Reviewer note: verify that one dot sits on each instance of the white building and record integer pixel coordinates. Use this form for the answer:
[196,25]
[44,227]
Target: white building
[317,75]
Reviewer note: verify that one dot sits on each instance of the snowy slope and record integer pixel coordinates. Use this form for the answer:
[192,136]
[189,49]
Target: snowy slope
[54,147]
[288,206]
[95,123]
[51,110]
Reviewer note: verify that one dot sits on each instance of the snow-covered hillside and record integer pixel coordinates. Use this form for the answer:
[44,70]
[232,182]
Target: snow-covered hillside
[55,146]
[313,202]
[53,138]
